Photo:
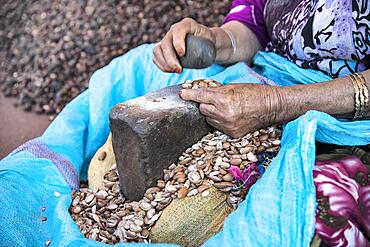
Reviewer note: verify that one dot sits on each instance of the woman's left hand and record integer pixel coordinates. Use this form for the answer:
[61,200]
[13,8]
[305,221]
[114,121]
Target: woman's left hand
[237,109]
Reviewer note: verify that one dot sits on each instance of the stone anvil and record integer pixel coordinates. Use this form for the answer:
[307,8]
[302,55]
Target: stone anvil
[151,132]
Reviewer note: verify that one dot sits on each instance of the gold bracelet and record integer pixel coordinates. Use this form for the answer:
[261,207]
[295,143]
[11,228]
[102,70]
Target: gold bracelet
[365,93]
[362,98]
[361,95]
[356,96]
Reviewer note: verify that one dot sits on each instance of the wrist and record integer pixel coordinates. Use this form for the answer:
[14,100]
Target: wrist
[217,37]
[284,104]
[223,44]
[332,97]
[276,105]
[289,103]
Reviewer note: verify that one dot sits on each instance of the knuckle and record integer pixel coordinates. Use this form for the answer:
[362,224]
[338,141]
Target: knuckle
[229,126]
[226,127]
[188,20]
[156,50]
[167,55]
[167,47]
[201,95]
[228,121]
[173,26]
[164,45]
[167,37]
[201,107]
[177,25]
[223,118]
[202,111]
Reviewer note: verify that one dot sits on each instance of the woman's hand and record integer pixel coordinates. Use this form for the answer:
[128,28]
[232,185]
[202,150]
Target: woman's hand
[237,109]
[173,44]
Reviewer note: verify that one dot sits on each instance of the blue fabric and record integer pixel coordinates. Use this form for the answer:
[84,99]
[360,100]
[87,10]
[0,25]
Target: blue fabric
[284,72]
[278,211]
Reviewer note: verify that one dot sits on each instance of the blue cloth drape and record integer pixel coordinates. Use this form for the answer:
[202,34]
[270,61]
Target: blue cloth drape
[278,211]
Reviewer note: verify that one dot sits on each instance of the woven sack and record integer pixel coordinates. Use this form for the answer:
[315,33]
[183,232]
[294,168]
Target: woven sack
[192,220]
[98,168]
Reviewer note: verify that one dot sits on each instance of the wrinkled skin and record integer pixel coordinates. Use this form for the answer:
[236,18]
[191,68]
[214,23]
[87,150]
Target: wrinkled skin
[240,108]
[237,109]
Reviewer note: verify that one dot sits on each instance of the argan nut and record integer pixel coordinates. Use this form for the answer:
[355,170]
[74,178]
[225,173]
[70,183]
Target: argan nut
[183,191]
[102,156]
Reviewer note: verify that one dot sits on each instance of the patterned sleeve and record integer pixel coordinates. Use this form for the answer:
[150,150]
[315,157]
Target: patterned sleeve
[250,13]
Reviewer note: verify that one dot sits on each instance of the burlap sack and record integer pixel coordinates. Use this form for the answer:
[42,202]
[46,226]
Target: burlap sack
[97,167]
[192,220]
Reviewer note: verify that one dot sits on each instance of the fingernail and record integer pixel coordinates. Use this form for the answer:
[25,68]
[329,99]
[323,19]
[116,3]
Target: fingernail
[181,52]
[178,69]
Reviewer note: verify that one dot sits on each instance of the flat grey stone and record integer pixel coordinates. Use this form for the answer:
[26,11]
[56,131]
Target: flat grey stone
[151,132]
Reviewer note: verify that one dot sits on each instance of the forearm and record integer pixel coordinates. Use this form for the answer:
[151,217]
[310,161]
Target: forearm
[334,97]
[246,43]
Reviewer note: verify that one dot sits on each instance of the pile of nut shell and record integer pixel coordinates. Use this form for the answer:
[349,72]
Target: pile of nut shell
[104,215]
[52,47]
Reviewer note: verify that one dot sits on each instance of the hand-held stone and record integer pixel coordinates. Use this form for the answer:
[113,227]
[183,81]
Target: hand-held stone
[200,53]
[151,132]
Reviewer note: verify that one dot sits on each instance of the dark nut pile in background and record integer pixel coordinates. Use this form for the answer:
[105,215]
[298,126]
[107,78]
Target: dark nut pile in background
[50,49]
[103,214]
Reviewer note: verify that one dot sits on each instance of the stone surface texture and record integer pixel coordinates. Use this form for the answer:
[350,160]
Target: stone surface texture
[200,53]
[149,133]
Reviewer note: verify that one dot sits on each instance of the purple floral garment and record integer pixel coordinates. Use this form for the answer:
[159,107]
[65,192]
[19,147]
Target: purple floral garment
[343,196]
[250,13]
[332,36]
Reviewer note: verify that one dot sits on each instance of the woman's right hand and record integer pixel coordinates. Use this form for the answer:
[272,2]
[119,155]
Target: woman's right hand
[173,44]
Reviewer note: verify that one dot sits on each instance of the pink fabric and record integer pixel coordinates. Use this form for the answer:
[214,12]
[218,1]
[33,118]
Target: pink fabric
[345,186]
[249,176]
[250,13]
